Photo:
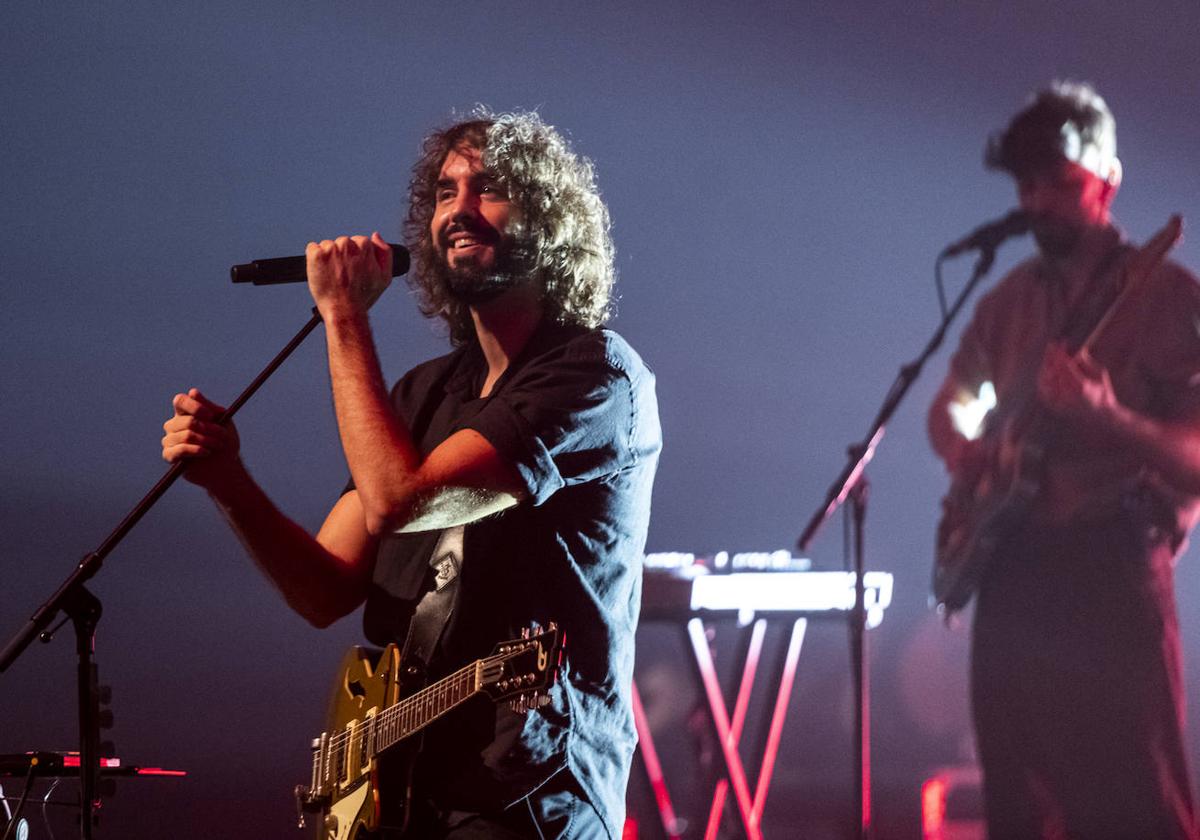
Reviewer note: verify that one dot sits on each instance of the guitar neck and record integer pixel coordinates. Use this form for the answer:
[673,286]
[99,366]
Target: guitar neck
[1138,273]
[422,708]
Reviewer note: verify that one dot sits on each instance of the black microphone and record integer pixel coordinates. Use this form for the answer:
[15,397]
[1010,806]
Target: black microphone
[988,237]
[292,269]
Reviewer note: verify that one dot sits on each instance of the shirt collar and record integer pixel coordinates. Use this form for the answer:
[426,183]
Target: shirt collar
[470,366]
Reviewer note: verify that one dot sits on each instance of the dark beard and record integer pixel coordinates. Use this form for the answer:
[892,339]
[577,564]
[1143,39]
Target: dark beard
[1054,239]
[474,286]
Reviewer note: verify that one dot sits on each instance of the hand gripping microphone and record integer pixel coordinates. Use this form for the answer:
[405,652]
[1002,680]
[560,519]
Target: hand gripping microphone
[292,269]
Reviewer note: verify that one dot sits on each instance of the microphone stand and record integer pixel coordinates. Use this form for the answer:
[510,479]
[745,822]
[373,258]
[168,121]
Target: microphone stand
[83,608]
[852,484]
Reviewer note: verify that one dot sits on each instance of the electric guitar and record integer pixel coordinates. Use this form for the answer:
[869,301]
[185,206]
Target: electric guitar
[370,713]
[985,504]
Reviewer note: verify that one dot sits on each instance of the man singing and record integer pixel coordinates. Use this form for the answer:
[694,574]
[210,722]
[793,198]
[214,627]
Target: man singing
[534,443]
[1077,689]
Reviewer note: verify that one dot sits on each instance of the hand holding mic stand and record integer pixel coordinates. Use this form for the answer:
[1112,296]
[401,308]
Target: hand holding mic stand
[852,484]
[83,608]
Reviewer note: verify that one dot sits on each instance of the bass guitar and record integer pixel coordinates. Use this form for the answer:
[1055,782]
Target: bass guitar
[985,503]
[372,711]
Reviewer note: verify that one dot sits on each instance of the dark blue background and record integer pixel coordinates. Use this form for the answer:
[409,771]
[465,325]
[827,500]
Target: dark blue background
[780,176]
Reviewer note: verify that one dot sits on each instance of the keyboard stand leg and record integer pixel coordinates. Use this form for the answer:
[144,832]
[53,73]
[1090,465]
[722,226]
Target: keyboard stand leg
[716,703]
[658,783]
[775,734]
[741,705]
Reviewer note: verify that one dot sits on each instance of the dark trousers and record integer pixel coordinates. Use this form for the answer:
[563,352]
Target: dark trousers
[1076,687]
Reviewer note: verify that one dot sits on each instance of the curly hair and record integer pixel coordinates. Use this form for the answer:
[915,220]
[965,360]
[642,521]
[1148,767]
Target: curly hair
[564,225]
[1067,120]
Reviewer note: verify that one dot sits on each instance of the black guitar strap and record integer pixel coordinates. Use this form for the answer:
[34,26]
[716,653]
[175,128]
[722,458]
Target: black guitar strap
[1078,323]
[433,612]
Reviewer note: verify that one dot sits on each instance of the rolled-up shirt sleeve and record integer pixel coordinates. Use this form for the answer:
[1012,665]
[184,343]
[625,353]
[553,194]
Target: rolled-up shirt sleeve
[566,417]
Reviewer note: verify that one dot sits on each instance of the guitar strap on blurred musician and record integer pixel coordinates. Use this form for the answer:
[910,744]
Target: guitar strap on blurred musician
[538,434]
[1076,683]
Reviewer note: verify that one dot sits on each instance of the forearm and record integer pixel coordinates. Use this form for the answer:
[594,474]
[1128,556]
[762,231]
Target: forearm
[379,449]
[317,583]
[1173,450]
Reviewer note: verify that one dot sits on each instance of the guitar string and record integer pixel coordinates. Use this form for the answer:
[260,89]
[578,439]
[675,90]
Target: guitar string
[389,715]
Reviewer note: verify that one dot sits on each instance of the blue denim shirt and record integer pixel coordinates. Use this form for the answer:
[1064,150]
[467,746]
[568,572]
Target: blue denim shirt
[576,414]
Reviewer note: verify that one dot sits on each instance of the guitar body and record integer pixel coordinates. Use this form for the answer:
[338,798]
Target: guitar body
[376,716]
[368,682]
[981,508]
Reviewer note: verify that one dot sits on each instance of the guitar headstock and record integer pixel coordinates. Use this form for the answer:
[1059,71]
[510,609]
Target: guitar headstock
[522,669]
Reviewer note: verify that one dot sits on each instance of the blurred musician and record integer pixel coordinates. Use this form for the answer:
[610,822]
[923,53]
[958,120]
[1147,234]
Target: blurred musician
[1077,692]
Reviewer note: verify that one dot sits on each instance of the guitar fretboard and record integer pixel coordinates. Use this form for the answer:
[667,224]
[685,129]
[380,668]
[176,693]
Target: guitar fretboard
[417,711]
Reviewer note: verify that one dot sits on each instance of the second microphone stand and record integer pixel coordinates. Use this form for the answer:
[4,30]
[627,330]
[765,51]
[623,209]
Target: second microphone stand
[851,484]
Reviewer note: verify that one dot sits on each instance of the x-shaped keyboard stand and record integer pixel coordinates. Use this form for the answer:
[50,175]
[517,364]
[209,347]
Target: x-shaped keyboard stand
[728,731]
